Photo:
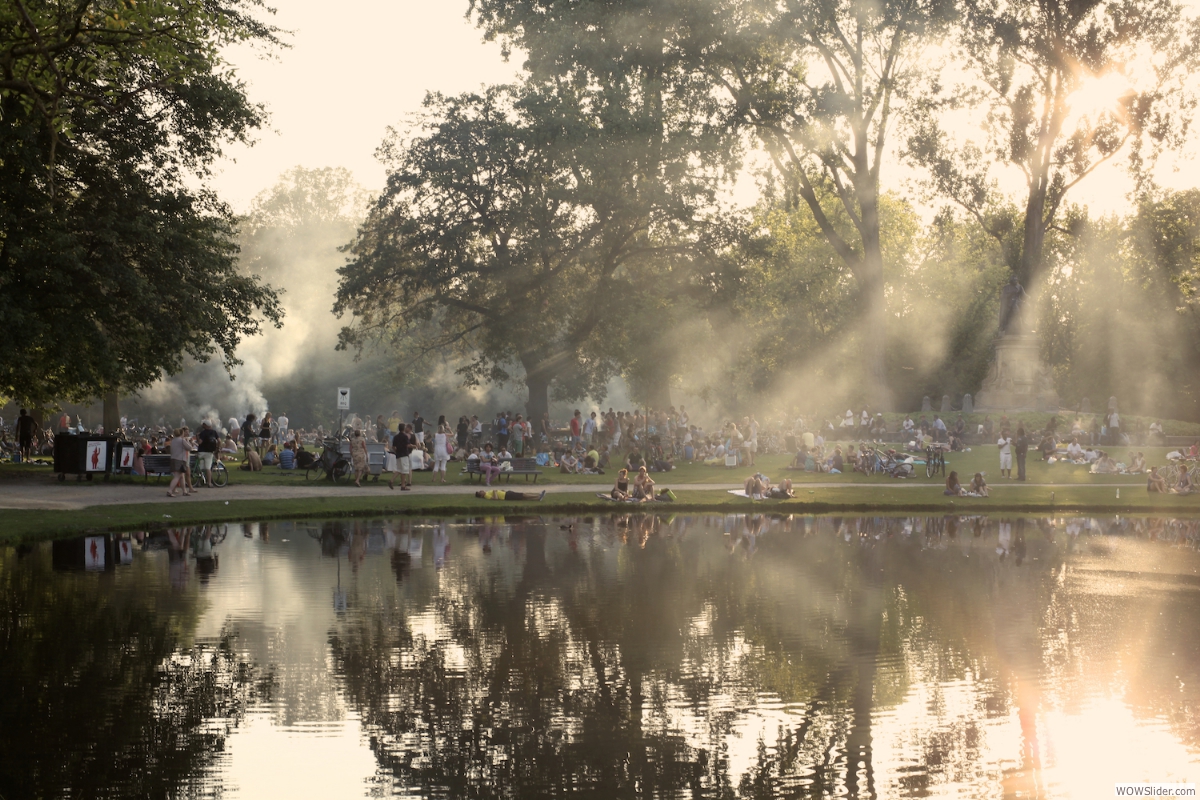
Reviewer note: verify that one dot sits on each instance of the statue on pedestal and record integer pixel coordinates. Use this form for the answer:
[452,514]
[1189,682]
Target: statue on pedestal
[1012,301]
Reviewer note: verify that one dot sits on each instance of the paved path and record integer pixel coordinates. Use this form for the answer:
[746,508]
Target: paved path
[70,495]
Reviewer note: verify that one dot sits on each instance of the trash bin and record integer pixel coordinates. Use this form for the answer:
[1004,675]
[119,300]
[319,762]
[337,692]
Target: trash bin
[84,454]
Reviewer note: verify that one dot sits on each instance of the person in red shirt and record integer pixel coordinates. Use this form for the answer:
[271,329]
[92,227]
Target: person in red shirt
[576,428]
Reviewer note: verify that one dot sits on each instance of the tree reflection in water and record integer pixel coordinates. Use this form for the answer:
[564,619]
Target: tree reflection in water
[105,694]
[733,656]
[627,661]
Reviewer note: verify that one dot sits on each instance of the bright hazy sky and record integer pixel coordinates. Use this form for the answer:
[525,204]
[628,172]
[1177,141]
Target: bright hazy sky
[358,66]
[354,68]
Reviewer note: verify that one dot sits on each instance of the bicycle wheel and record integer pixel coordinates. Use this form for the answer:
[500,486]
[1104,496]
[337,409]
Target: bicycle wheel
[342,471]
[930,468]
[315,473]
[220,475]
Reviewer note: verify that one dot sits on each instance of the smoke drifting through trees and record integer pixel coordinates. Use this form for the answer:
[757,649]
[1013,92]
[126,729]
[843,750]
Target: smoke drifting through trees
[566,235]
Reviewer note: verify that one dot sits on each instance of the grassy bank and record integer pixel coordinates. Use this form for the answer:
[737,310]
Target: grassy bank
[879,498]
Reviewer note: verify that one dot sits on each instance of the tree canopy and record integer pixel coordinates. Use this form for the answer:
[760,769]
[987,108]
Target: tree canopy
[113,267]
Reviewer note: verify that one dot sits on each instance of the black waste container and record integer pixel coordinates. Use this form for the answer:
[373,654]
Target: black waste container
[83,454]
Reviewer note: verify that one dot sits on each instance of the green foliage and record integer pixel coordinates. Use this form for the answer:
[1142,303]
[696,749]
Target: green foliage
[112,269]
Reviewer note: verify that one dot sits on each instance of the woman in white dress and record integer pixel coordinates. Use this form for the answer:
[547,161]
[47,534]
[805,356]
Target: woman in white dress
[441,455]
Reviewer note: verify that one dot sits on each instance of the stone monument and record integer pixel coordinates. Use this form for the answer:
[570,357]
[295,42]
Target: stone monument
[968,404]
[1085,406]
[946,408]
[926,405]
[1017,380]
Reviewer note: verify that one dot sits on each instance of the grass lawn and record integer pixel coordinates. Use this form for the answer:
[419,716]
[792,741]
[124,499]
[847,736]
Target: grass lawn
[981,459]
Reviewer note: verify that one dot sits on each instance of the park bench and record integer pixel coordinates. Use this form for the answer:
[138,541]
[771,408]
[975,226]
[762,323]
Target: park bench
[157,464]
[520,466]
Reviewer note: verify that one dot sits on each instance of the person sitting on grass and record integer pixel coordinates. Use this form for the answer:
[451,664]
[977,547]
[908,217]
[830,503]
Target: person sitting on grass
[253,461]
[635,461]
[503,494]
[643,485]
[978,486]
[271,457]
[1137,464]
[1075,451]
[835,462]
[229,448]
[568,464]
[1155,483]
[953,487]
[620,490]
[287,457]
[1183,482]
[1105,465]
[759,487]
[1047,446]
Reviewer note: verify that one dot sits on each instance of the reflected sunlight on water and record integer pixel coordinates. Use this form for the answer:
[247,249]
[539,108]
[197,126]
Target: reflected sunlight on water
[700,656]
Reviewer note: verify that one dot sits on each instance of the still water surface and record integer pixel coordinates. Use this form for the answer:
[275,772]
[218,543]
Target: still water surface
[702,656]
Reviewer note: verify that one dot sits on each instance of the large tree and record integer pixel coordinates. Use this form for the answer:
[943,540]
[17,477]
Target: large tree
[510,231]
[1064,86]
[819,81]
[113,267]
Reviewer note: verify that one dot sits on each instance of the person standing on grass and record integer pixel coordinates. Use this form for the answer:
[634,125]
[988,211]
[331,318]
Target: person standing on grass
[1005,445]
[402,445]
[181,452]
[24,429]
[441,454]
[417,430]
[1021,446]
[248,434]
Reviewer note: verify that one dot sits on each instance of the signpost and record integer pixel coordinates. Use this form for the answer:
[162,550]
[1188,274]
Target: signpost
[343,404]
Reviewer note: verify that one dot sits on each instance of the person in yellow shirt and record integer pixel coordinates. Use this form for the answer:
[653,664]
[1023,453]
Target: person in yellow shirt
[501,494]
[393,423]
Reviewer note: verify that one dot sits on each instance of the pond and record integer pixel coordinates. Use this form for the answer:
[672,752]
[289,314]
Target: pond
[632,656]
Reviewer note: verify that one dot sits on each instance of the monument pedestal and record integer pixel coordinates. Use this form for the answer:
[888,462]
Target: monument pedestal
[1017,380]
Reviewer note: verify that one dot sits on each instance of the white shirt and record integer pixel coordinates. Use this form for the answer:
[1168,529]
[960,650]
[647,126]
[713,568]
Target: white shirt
[283,423]
[1075,450]
[1113,420]
[589,426]
[908,424]
[1005,446]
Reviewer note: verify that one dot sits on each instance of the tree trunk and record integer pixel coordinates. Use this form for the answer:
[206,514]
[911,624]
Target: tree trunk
[1030,264]
[874,303]
[112,413]
[537,382]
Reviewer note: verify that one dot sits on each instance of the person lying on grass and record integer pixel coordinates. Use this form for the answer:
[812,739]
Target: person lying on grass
[502,494]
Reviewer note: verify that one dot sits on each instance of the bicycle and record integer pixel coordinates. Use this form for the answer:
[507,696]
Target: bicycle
[935,460]
[220,475]
[331,465]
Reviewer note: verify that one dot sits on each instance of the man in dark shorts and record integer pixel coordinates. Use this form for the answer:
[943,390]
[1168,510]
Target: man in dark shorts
[501,494]
[402,445]
[208,441]
[24,429]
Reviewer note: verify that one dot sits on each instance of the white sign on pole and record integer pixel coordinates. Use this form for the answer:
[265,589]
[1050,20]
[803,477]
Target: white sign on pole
[343,398]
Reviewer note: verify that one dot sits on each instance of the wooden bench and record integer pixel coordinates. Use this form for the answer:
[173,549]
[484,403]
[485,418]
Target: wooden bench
[520,466]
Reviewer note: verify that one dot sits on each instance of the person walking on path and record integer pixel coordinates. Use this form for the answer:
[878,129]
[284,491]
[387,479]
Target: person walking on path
[181,453]
[358,457]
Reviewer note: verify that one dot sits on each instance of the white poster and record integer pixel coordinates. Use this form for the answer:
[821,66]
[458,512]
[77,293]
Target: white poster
[125,551]
[93,552]
[343,398]
[127,457]
[97,457]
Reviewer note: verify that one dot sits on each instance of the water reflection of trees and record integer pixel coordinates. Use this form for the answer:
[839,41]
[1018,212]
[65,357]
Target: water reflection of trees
[626,661]
[104,694]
